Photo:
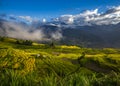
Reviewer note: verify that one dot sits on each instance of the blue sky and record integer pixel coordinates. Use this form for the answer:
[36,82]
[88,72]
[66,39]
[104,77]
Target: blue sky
[52,8]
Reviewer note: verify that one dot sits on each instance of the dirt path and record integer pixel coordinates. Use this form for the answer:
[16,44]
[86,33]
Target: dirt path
[91,65]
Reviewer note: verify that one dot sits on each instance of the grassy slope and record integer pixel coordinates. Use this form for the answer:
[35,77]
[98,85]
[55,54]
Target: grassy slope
[43,65]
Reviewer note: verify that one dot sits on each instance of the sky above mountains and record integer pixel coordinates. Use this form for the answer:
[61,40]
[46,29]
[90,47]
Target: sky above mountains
[85,18]
[53,8]
[30,17]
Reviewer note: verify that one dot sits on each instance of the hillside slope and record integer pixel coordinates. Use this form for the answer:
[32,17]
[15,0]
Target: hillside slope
[53,65]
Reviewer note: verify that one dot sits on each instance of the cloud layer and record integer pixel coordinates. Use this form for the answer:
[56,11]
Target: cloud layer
[90,17]
[14,28]
[20,31]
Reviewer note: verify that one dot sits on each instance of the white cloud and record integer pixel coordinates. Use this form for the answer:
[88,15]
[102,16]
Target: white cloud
[19,31]
[27,18]
[56,35]
[89,13]
[89,17]
[44,20]
[69,19]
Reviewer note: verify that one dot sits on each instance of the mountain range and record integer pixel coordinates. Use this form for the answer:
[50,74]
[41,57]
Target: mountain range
[87,29]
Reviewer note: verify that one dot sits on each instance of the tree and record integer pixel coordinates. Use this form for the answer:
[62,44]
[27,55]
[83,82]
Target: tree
[2,38]
[52,45]
[24,42]
[27,42]
[80,58]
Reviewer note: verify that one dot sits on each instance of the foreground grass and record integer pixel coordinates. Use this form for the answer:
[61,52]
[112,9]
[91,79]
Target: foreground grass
[43,65]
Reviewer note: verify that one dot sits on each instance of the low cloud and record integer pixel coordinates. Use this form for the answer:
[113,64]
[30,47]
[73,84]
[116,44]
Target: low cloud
[56,35]
[20,31]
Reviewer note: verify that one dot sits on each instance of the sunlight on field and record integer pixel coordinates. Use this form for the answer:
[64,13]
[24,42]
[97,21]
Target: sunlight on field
[64,65]
[70,47]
